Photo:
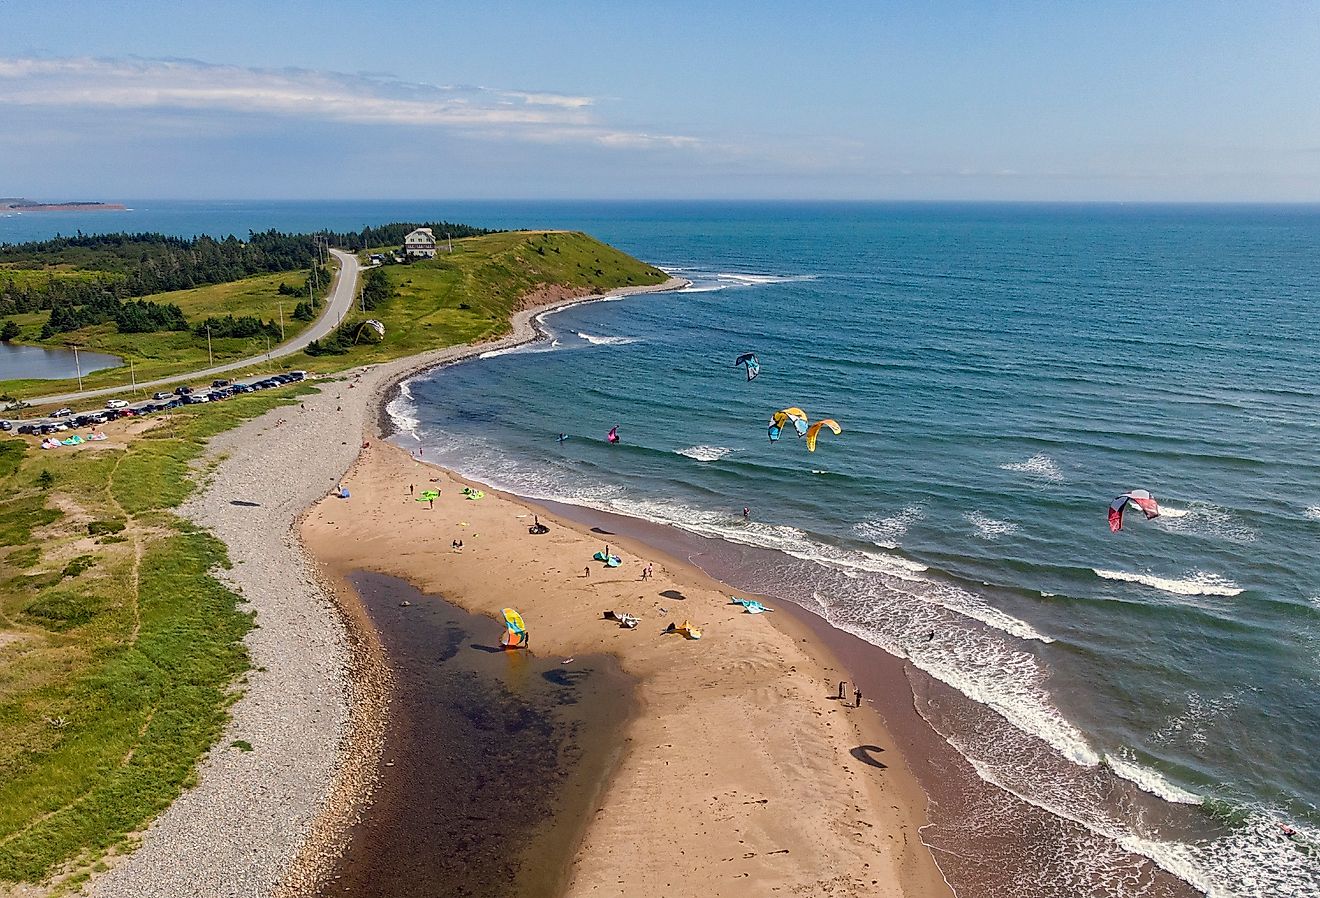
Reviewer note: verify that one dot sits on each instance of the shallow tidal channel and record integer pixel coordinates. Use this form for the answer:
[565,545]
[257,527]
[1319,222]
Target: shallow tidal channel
[493,760]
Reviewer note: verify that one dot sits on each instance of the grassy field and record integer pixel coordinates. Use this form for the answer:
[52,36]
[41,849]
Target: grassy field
[117,646]
[171,352]
[470,294]
[118,649]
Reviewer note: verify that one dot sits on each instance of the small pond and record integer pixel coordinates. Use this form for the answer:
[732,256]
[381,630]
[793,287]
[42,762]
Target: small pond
[50,364]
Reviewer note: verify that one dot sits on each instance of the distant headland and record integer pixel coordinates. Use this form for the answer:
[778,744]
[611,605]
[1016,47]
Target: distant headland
[17,204]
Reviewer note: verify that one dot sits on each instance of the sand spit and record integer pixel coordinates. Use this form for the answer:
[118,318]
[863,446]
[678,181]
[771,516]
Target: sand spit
[743,774]
[266,821]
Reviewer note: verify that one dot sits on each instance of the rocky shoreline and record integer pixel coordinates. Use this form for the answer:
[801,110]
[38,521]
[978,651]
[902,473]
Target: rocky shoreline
[267,821]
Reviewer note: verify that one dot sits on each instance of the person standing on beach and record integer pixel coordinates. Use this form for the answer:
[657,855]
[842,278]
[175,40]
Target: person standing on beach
[843,689]
[432,501]
[747,514]
[410,488]
[857,697]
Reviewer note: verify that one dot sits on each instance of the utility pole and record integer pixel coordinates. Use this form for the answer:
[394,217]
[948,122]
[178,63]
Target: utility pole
[77,366]
[209,355]
[281,305]
[131,375]
[268,348]
[450,241]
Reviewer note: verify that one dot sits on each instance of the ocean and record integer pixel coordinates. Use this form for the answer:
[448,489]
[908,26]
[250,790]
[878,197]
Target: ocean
[1000,373]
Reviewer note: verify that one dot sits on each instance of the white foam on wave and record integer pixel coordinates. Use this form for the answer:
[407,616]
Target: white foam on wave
[606,341]
[1205,519]
[706,288]
[978,663]
[1039,465]
[1196,583]
[1312,512]
[989,528]
[757,280]
[888,532]
[1148,779]
[402,410]
[705,453]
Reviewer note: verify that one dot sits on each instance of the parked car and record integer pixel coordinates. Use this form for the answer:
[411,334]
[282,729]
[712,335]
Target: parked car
[220,383]
[116,403]
[160,395]
[242,388]
[27,428]
[62,413]
[298,375]
[182,391]
[6,426]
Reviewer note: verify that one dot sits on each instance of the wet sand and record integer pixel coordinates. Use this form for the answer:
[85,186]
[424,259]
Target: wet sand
[988,842]
[491,760]
[741,773]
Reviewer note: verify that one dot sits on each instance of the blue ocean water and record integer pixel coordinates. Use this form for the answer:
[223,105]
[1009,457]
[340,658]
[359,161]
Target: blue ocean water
[1000,373]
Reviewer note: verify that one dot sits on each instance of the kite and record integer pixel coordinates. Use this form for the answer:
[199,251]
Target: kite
[515,633]
[753,364]
[610,560]
[814,431]
[428,495]
[1140,498]
[613,435]
[751,606]
[782,417]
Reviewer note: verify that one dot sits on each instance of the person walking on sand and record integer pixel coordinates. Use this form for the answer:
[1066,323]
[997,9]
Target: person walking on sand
[587,571]
[410,488]
[857,697]
[747,514]
[432,501]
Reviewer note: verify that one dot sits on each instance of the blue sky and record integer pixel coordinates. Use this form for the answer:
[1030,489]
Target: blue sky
[922,100]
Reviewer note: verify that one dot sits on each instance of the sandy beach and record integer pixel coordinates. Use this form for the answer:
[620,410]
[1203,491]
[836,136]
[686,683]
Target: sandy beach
[743,773]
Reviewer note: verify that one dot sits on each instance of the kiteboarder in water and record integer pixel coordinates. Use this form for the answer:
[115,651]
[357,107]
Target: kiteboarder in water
[562,437]
[613,435]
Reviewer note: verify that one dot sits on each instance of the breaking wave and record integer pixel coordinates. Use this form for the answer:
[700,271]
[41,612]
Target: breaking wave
[989,528]
[1197,583]
[705,453]
[606,341]
[1039,465]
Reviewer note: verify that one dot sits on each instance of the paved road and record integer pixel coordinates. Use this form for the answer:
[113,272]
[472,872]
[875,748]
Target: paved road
[341,300]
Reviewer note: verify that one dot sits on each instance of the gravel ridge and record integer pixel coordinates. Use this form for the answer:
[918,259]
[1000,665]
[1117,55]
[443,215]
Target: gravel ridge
[268,822]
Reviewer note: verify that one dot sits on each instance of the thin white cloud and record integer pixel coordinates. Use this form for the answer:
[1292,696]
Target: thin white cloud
[370,99]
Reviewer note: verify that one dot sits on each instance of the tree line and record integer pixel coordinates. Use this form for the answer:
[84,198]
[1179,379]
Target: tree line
[124,266]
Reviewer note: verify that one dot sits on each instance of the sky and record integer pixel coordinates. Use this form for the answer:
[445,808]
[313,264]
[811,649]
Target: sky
[1070,101]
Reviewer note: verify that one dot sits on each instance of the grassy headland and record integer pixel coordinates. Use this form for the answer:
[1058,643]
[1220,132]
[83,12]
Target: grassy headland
[469,294]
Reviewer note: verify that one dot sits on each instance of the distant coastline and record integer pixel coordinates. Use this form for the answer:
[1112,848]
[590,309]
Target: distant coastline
[15,204]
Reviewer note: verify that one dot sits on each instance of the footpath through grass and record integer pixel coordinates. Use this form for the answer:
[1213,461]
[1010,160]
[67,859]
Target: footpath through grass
[118,648]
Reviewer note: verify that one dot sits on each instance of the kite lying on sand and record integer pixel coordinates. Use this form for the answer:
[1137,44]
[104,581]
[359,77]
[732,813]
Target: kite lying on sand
[515,631]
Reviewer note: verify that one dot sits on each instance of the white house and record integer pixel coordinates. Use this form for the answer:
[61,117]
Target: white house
[419,244]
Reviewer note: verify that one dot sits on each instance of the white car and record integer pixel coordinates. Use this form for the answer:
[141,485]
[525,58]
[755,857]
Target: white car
[116,403]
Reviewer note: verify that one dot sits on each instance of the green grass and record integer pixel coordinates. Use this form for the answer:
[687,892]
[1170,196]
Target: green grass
[172,352]
[116,657]
[471,293]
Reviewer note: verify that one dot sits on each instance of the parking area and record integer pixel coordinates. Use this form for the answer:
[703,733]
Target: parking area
[67,419]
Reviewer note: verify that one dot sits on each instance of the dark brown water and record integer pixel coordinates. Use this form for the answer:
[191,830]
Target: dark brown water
[492,761]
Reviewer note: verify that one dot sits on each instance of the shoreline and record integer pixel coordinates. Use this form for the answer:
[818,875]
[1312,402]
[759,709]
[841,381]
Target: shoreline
[266,821]
[747,686]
